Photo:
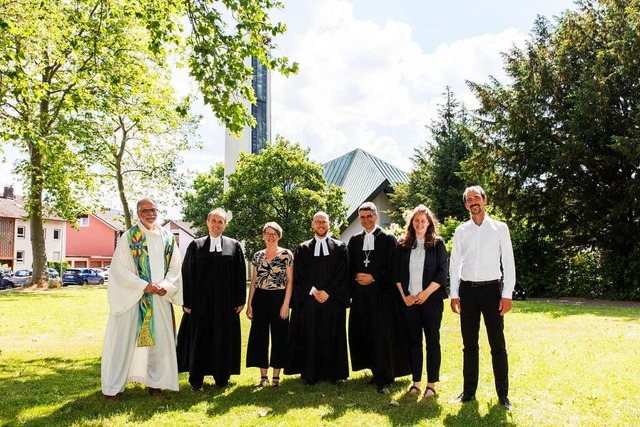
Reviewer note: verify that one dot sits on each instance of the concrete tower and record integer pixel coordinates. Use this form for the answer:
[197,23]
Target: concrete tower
[252,139]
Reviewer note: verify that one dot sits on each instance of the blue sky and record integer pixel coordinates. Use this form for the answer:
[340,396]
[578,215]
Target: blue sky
[372,72]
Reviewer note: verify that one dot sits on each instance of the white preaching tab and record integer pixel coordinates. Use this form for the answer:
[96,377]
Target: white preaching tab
[216,244]
[369,241]
[321,243]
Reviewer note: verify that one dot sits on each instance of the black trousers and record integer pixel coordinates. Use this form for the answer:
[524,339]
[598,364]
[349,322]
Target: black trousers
[476,301]
[266,306]
[427,318]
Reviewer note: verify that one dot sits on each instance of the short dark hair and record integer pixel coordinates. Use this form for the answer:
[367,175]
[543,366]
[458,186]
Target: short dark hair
[476,188]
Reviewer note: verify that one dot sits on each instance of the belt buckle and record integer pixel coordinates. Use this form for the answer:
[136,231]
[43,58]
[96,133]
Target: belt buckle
[475,285]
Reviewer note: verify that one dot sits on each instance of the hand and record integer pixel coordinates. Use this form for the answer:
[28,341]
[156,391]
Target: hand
[249,312]
[408,300]
[455,305]
[321,296]
[150,288]
[364,279]
[186,310]
[505,306]
[161,291]
[421,297]
[239,308]
[284,311]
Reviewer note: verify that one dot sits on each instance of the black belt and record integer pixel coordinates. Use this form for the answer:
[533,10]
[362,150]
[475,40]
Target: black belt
[479,284]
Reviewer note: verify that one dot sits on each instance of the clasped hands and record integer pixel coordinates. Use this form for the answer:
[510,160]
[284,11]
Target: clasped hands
[410,300]
[321,296]
[364,279]
[154,289]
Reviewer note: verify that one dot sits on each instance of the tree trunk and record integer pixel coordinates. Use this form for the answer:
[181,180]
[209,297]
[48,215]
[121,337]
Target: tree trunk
[34,210]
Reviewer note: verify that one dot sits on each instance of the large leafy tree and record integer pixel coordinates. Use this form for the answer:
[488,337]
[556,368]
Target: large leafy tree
[560,145]
[438,178]
[59,63]
[205,196]
[281,184]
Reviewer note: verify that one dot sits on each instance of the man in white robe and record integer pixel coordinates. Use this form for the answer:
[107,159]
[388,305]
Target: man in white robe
[130,354]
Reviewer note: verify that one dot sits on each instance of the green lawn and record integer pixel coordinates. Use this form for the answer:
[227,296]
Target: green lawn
[569,366]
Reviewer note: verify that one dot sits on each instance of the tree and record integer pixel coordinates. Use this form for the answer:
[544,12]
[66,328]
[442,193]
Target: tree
[207,195]
[60,62]
[142,137]
[560,144]
[438,178]
[281,184]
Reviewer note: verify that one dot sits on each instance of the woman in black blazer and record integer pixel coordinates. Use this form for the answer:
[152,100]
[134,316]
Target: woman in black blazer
[420,275]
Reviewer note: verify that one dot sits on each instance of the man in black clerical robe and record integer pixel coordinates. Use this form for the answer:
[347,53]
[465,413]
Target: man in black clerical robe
[376,338]
[318,336]
[214,286]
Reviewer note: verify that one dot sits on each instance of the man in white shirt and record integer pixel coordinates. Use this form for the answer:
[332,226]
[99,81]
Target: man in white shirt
[482,273]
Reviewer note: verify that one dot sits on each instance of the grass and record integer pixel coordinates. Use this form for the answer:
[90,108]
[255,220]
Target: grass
[569,366]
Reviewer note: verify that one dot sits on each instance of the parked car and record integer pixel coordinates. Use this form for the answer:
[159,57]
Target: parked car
[6,283]
[105,272]
[6,272]
[82,276]
[21,277]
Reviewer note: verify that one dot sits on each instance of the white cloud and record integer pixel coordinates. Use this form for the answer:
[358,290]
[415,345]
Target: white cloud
[369,85]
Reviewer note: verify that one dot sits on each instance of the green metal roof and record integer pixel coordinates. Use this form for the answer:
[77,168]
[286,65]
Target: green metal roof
[363,176]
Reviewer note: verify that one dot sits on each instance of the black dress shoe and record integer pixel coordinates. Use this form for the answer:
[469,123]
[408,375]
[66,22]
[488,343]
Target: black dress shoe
[504,402]
[464,398]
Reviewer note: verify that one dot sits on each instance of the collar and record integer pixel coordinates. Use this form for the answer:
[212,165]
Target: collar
[216,244]
[321,243]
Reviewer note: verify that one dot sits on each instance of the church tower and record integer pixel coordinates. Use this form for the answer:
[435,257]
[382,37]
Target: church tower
[252,139]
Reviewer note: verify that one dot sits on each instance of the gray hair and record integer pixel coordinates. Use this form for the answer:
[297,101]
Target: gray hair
[275,226]
[218,211]
[368,206]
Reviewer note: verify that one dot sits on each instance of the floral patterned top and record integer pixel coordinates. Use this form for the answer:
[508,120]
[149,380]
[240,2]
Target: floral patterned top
[272,274]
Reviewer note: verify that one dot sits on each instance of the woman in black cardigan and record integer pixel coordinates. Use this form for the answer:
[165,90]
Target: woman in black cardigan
[420,275]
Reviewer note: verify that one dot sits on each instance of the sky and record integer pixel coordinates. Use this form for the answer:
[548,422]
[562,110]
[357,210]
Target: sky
[372,73]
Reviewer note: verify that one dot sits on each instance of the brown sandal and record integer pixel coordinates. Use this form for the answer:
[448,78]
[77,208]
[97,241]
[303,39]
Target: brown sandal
[427,390]
[275,381]
[413,390]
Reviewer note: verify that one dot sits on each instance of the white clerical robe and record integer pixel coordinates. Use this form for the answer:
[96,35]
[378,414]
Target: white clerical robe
[122,360]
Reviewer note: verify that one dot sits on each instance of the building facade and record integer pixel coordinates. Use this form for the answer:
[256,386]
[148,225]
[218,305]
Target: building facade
[251,140]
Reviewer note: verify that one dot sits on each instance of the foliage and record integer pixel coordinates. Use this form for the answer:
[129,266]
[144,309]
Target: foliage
[51,374]
[438,177]
[281,184]
[65,68]
[206,196]
[57,267]
[563,143]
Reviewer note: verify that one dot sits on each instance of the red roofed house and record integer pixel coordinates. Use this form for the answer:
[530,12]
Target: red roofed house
[93,243]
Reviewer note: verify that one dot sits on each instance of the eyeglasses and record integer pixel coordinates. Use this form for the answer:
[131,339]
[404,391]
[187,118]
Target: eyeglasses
[370,216]
[320,222]
[148,211]
[269,234]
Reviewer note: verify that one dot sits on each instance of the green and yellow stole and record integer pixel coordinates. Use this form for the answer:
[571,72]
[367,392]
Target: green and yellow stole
[140,253]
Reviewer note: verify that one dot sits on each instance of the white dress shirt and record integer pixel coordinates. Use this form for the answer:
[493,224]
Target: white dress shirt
[477,253]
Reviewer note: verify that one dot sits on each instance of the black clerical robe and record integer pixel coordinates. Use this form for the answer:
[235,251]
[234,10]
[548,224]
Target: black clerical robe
[318,336]
[214,284]
[376,338]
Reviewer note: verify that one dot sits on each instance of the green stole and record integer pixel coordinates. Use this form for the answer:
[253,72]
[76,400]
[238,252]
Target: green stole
[140,253]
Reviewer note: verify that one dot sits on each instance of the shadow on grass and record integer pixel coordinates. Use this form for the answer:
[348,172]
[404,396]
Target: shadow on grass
[469,414]
[54,391]
[559,309]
